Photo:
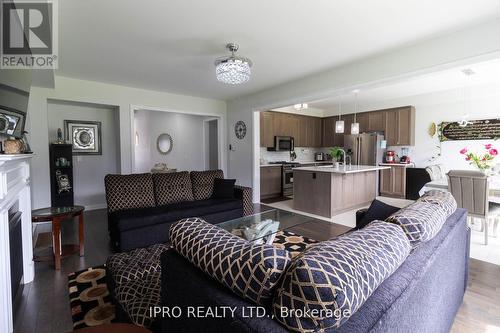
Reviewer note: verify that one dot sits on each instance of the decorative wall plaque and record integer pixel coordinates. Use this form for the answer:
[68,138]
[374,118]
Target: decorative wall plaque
[487,129]
[85,136]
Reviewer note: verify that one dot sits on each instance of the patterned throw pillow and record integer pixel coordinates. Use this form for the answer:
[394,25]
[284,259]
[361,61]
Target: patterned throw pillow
[329,282]
[172,187]
[203,183]
[129,191]
[136,264]
[249,270]
[421,221]
[441,198]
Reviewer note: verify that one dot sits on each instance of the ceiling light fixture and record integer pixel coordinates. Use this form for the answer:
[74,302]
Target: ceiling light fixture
[468,73]
[233,69]
[301,106]
[339,124]
[355,125]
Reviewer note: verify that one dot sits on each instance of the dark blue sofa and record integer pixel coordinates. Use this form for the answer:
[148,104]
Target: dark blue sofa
[423,295]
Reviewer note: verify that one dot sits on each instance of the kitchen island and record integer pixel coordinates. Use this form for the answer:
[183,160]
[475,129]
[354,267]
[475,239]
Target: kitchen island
[328,191]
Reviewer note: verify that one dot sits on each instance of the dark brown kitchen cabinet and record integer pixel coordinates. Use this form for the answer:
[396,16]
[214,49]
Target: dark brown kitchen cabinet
[302,139]
[309,132]
[306,130]
[329,131]
[267,131]
[339,138]
[400,126]
[317,130]
[406,124]
[270,181]
[391,127]
[393,182]
[376,121]
[332,139]
[363,120]
[285,124]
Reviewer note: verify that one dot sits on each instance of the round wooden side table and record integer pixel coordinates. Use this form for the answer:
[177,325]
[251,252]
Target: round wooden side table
[56,215]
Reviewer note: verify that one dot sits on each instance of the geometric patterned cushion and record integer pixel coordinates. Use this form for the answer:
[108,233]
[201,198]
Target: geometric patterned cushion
[137,297]
[172,187]
[203,183]
[129,191]
[421,221]
[442,198]
[334,278]
[136,264]
[251,271]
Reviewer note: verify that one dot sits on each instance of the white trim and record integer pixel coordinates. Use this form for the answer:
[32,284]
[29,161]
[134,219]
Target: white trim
[221,124]
[256,156]
[96,206]
[15,187]
[219,137]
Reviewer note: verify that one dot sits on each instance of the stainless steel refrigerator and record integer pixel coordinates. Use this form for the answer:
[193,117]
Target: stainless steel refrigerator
[364,149]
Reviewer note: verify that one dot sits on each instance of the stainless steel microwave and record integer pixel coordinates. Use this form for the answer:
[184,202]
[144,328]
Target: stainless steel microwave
[282,143]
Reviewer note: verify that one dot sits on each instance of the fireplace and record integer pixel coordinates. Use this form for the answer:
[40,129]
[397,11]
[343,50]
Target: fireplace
[16,266]
[16,253]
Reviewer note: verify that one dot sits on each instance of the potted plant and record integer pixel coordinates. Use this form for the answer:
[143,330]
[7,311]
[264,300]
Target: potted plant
[482,161]
[336,154]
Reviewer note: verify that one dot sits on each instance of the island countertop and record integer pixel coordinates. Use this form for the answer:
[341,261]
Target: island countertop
[342,169]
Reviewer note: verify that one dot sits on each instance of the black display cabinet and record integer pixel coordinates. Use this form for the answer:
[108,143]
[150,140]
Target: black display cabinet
[61,175]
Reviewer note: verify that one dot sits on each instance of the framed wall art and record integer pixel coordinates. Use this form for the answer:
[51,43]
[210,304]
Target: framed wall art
[84,136]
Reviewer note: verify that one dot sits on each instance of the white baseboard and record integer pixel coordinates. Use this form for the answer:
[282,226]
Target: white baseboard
[95,207]
[40,228]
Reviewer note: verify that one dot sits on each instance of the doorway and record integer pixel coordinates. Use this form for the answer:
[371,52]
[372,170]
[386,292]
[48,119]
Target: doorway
[211,130]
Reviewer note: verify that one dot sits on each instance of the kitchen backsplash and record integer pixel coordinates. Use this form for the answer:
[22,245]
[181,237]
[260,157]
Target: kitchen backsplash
[304,154]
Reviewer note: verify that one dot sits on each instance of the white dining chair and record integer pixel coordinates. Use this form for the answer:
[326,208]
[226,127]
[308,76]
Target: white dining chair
[470,189]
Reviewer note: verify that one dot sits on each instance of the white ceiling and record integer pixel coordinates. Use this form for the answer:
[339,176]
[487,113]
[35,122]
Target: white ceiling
[485,73]
[170,45]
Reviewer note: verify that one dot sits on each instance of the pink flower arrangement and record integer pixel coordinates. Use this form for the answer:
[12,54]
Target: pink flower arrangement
[481,161]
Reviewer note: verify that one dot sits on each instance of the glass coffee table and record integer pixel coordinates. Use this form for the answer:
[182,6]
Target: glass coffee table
[262,227]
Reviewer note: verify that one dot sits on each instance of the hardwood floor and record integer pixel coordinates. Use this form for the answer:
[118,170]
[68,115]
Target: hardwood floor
[480,311]
[44,305]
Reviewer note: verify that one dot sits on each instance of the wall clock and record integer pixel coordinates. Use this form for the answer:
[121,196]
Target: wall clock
[240,129]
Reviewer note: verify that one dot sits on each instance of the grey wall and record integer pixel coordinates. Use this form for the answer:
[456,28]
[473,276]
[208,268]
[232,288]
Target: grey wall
[186,131]
[89,170]
[213,151]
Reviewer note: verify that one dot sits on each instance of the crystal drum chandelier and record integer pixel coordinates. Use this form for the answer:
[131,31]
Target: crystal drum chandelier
[233,69]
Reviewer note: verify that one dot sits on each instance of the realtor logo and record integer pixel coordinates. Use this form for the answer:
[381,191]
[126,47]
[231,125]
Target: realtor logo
[29,34]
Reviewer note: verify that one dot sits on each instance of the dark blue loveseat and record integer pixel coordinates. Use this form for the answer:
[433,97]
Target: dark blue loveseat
[423,295]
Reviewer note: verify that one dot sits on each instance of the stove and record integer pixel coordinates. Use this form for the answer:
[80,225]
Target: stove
[286,176]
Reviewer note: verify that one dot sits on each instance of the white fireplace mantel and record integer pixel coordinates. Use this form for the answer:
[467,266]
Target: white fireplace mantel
[14,188]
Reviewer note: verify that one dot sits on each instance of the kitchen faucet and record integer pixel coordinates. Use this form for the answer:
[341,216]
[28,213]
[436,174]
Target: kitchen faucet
[343,154]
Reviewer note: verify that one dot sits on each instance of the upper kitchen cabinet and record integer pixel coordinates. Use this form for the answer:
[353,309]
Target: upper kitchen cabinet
[310,132]
[267,131]
[332,139]
[376,121]
[306,130]
[406,121]
[363,119]
[400,126]
[329,131]
[316,136]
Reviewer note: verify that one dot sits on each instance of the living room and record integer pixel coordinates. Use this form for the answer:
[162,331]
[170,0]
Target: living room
[134,197]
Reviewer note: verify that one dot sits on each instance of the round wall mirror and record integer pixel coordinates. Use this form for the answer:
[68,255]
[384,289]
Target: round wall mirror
[164,143]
